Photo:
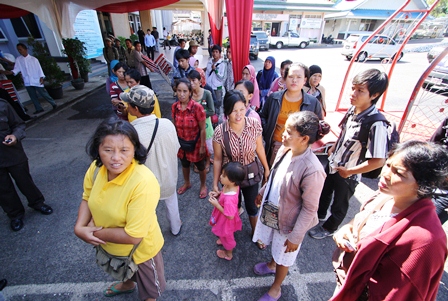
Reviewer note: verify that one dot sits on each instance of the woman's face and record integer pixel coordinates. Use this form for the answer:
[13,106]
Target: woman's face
[291,137]
[116,153]
[246,94]
[130,81]
[183,93]
[315,79]
[238,112]
[195,83]
[282,71]
[396,180]
[267,64]
[295,79]
[120,73]
[246,74]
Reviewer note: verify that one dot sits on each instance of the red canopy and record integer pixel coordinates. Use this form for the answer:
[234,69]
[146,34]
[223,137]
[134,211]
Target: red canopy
[136,5]
[11,12]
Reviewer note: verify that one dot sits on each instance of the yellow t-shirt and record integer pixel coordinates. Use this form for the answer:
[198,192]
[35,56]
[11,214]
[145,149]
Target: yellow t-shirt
[129,201]
[287,108]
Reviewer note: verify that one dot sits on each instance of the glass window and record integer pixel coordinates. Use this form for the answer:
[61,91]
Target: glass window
[26,26]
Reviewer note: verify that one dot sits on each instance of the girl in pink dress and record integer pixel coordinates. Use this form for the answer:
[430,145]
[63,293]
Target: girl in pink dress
[225,220]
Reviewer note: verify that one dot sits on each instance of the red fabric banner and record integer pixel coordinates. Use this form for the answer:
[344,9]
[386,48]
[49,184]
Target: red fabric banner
[215,9]
[137,5]
[239,19]
[216,33]
[11,12]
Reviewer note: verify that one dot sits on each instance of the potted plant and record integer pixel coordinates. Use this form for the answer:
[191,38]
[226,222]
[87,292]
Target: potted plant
[54,77]
[76,52]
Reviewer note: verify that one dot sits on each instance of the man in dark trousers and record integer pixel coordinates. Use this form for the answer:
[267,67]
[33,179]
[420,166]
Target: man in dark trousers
[141,38]
[14,164]
[155,33]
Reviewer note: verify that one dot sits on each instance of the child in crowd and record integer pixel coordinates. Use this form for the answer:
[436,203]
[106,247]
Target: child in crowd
[345,165]
[225,220]
[196,64]
[182,57]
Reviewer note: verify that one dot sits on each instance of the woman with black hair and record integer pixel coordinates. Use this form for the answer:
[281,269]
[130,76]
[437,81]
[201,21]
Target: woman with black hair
[395,248]
[118,207]
[241,136]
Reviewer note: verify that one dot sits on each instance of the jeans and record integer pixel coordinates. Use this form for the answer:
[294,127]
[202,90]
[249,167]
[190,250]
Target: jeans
[32,91]
[343,190]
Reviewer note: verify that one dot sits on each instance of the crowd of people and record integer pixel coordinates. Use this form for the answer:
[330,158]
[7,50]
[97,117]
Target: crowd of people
[256,137]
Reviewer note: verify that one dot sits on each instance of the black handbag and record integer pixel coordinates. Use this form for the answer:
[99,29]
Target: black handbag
[254,170]
[188,145]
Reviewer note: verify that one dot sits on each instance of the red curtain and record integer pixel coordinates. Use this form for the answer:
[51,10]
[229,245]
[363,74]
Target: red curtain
[215,9]
[137,5]
[11,12]
[239,19]
[216,33]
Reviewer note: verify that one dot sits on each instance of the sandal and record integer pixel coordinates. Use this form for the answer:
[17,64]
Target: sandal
[260,245]
[203,193]
[183,189]
[111,291]
[222,254]
[262,269]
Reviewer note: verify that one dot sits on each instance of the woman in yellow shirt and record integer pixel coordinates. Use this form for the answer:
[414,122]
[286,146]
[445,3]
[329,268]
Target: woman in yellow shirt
[118,208]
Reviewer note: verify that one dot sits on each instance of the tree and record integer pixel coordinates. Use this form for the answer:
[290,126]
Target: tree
[441,10]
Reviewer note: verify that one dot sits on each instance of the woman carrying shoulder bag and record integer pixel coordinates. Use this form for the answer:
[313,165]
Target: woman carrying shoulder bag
[239,139]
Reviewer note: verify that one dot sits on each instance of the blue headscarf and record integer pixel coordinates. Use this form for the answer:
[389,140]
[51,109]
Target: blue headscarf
[113,77]
[268,76]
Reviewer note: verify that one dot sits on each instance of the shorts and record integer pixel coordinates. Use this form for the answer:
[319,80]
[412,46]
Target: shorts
[186,164]
[150,278]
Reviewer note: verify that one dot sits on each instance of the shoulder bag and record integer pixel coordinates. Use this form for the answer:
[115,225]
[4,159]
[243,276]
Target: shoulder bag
[254,170]
[188,145]
[121,268]
[269,211]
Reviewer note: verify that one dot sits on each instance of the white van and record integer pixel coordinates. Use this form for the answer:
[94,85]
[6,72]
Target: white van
[379,47]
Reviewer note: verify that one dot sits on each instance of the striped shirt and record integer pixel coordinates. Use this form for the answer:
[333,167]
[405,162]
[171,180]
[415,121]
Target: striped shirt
[242,147]
[348,147]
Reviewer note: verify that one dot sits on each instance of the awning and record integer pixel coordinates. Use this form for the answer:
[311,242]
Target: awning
[374,14]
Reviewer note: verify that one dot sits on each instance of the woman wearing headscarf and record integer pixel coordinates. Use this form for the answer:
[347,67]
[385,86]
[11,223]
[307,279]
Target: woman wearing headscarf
[265,78]
[313,86]
[249,74]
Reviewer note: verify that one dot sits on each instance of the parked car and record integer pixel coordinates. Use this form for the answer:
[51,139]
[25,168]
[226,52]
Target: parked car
[437,80]
[254,47]
[379,47]
[289,39]
[263,39]
[434,52]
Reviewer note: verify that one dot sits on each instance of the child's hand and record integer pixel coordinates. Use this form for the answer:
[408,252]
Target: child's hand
[213,200]
[214,194]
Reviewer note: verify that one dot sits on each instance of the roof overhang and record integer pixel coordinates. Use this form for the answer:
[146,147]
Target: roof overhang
[372,15]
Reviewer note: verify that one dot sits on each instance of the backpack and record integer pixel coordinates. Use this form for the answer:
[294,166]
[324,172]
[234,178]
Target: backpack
[393,137]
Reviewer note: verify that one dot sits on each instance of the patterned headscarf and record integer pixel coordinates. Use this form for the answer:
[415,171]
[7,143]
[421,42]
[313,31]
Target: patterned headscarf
[203,79]
[255,101]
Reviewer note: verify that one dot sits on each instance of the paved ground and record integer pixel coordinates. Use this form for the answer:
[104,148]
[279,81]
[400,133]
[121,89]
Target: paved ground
[46,261]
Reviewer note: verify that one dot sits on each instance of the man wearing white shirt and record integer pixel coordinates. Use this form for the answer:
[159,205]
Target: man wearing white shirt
[33,77]
[216,73]
[150,43]
[162,155]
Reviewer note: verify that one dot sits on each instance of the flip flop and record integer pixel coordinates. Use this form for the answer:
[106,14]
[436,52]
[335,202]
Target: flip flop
[218,242]
[260,245]
[221,254]
[262,269]
[203,195]
[267,297]
[114,291]
[183,189]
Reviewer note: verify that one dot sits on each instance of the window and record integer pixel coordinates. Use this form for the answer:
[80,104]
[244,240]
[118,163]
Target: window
[3,38]
[26,26]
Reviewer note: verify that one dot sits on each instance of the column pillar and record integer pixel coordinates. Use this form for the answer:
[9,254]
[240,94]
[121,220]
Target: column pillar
[145,20]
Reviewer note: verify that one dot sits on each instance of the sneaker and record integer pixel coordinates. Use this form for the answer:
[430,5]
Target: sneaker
[319,232]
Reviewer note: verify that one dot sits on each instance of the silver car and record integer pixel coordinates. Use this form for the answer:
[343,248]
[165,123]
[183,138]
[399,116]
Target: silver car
[263,39]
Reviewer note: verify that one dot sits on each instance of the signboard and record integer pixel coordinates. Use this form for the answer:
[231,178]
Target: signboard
[270,17]
[87,29]
[311,23]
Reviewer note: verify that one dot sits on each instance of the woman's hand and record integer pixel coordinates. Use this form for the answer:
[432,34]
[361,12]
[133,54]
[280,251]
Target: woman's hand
[202,150]
[86,233]
[290,247]
[343,171]
[343,235]
[267,172]
[258,200]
